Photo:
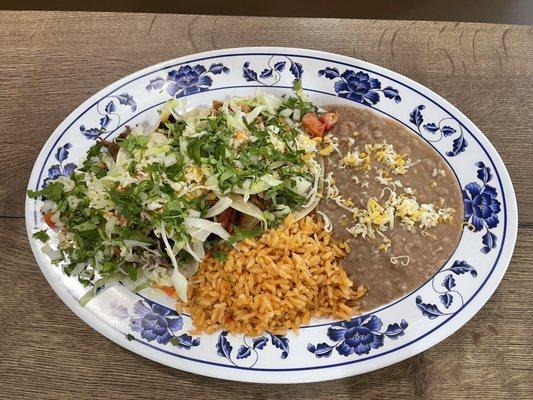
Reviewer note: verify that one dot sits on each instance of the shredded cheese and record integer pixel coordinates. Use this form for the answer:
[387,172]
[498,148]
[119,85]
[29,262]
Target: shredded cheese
[403,260]
[379,214]
[328,226]
[384,153]
[411,215]
[438,172]
[353,159]
[326,151]
[331,144]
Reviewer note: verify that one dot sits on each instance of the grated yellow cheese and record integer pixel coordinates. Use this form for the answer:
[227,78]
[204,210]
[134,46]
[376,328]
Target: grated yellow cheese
[385,245]
[354,159]
[326,151]
[331,144]
[438,172]
[377,218]
[385,153]
[380,216]
[308,156]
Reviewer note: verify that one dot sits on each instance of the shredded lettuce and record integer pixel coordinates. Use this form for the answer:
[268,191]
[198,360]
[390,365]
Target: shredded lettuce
[179,281]
[220,206]
[208,226]
[147,207]
[248,208]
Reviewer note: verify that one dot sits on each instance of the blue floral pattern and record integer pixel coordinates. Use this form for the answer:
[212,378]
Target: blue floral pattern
[359,86]
[60,169]
[225,349]
[271,75]
[439,131]
[482,207]
[447,293]
[109,115]
[156,322]
[187,80]
[358,336]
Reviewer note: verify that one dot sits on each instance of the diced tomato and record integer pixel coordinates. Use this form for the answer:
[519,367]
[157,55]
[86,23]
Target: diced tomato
[169,290]
[49,221]
[329,119]
[312,125]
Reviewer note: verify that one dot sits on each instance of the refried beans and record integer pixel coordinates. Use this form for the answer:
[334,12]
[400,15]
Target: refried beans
[430,181]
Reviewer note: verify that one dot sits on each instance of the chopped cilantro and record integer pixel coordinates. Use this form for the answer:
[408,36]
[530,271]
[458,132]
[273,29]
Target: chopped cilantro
[220,256]
[195,150]
[241,234]
[127,204]
[119,217]
[42,236]
[132,271]
[94,151]
[130,337]
[52,191]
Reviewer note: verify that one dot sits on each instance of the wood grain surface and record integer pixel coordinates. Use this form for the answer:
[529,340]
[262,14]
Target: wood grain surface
[50,62]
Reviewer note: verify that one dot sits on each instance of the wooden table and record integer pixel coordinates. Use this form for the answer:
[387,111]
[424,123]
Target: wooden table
[50,62]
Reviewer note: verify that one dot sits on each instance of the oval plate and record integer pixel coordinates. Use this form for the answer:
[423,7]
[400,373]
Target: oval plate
[325,349]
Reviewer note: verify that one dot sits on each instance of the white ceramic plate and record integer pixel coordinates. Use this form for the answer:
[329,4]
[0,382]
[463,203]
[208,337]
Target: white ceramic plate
[325,349]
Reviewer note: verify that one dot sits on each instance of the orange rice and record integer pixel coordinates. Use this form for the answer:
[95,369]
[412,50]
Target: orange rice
[274,283]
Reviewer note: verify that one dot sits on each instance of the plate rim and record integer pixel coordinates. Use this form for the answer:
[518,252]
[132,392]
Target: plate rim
[478,300]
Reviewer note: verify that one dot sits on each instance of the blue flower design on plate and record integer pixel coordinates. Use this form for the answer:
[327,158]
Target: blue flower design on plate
[446,295]
[109,115]
[60,169]
[359,86]
[482,207]
[187,79]
[358,336]
[273,71]
[156,322]
[459,144]
[225,349]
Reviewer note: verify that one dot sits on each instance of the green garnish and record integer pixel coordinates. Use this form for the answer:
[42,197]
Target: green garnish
[53,191]
[41,235]
[220,256]
[139,215]
[241,234]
